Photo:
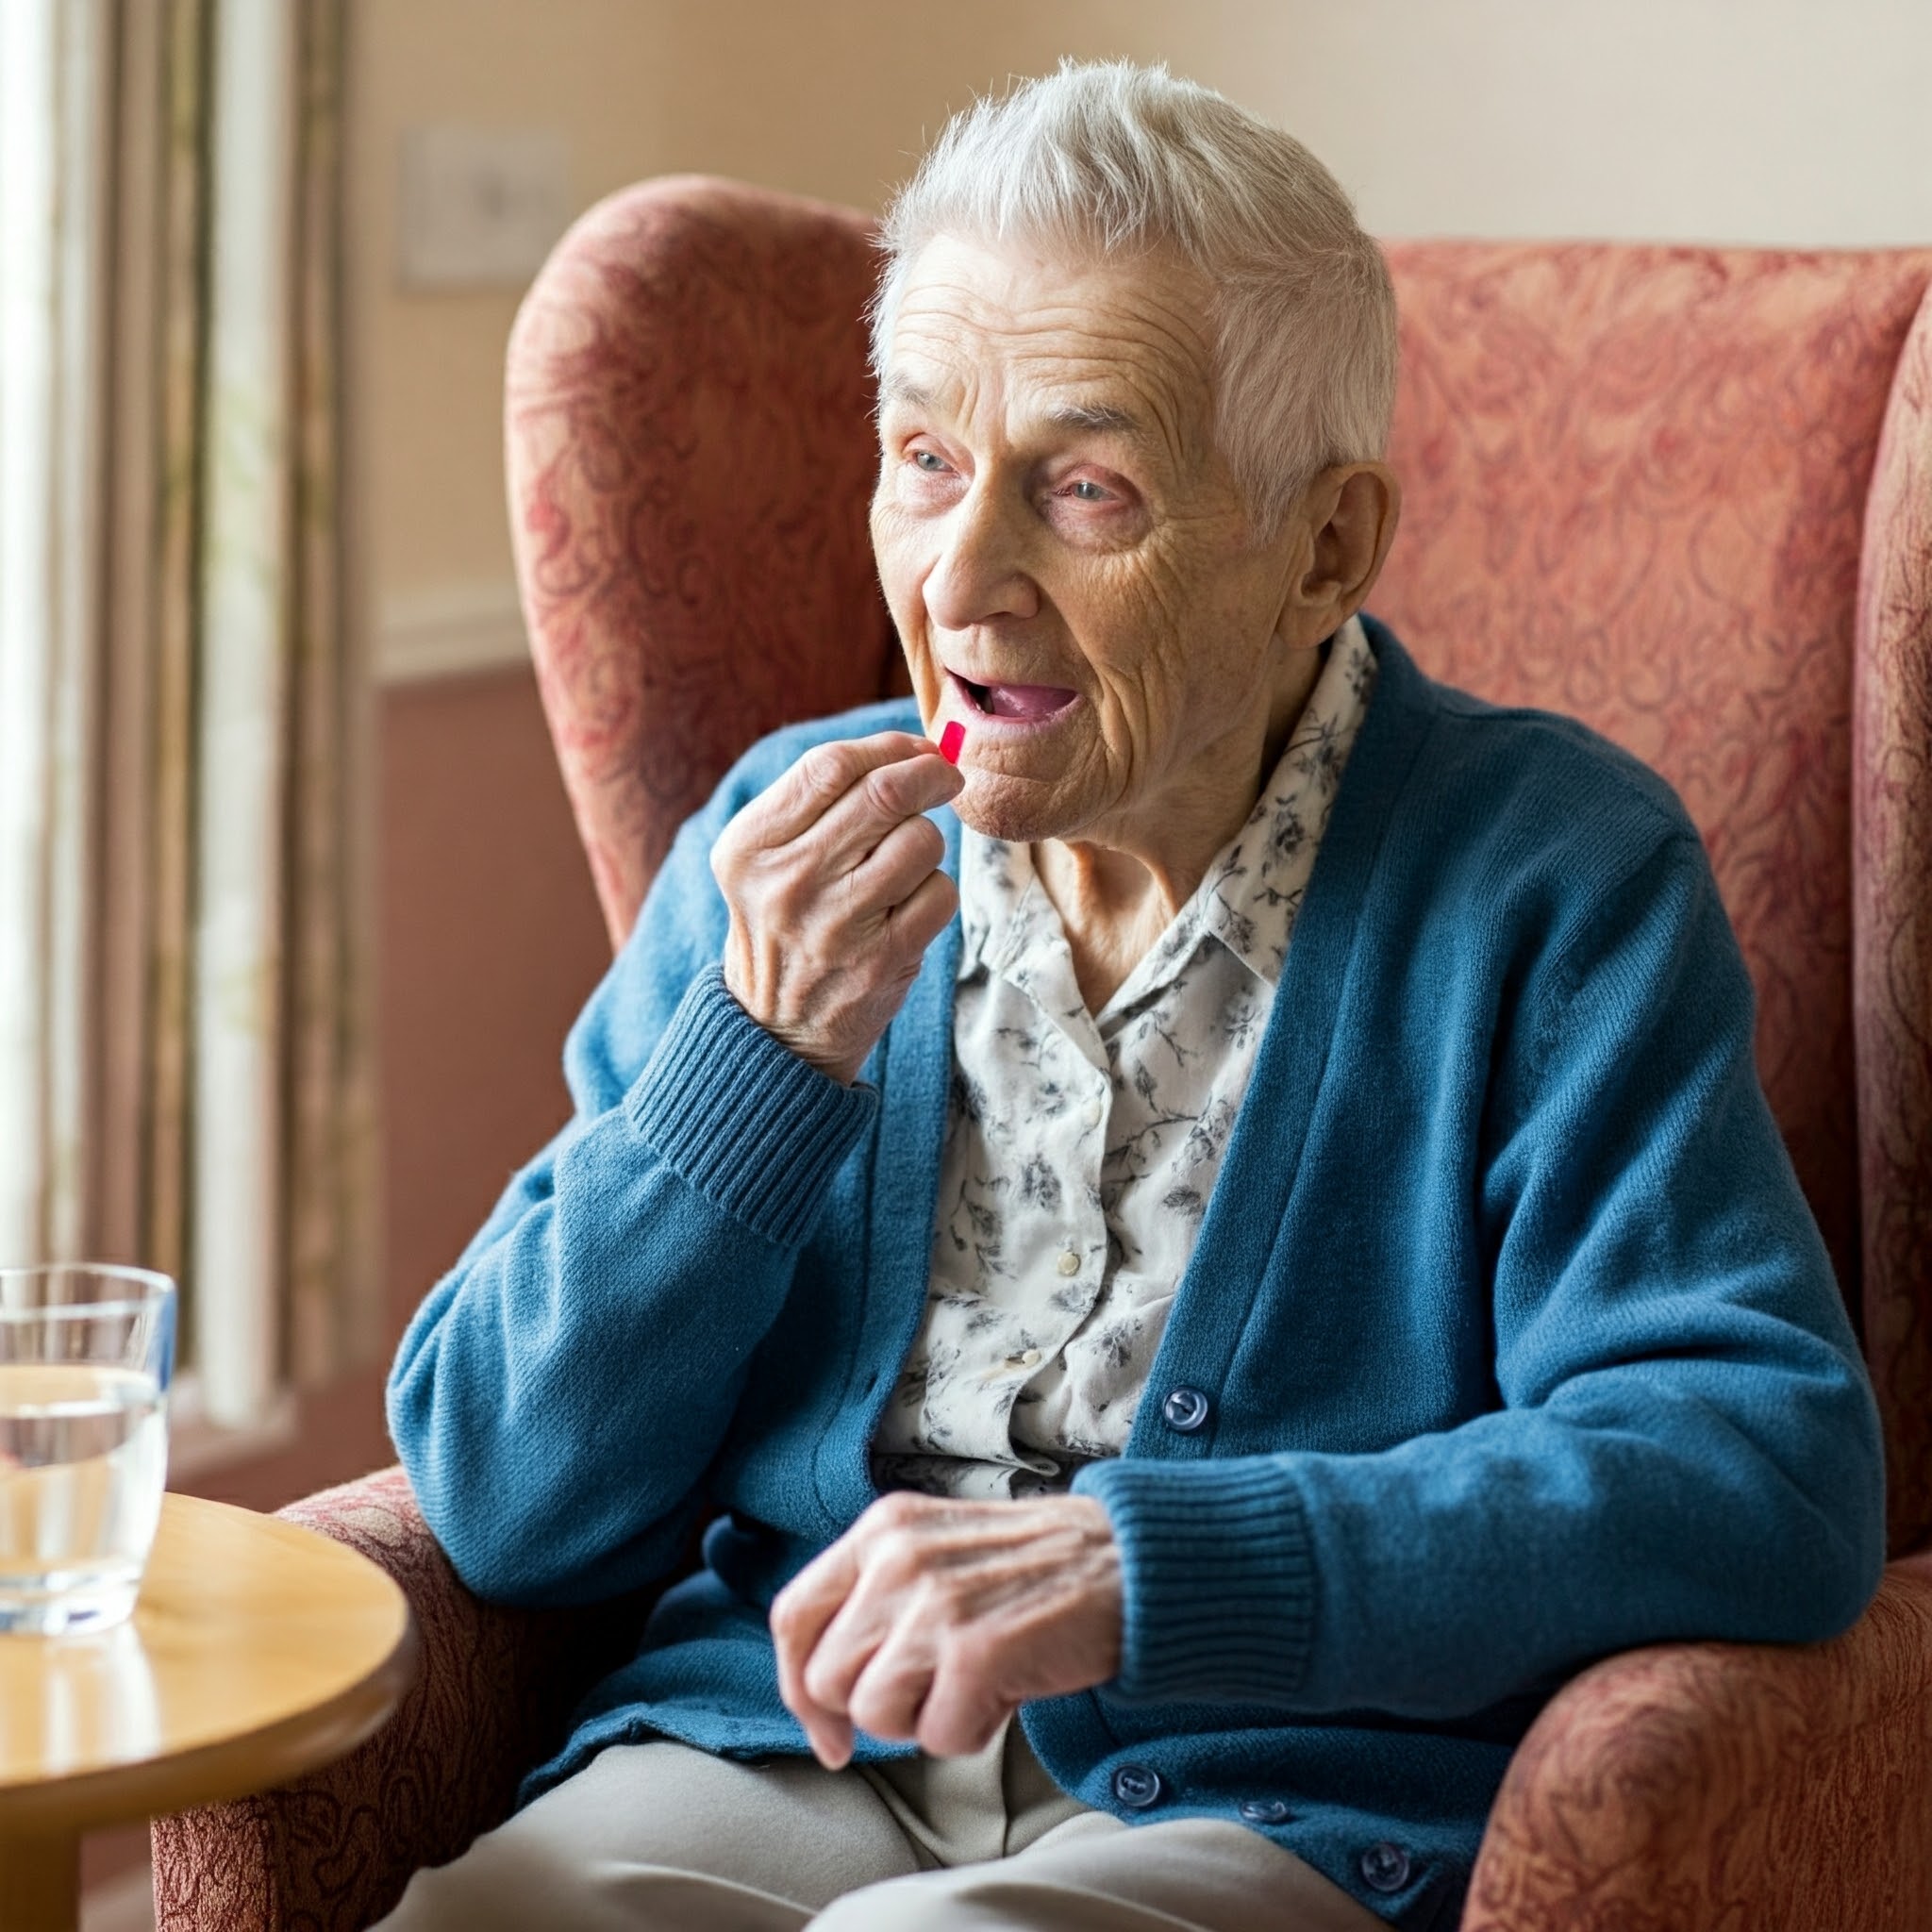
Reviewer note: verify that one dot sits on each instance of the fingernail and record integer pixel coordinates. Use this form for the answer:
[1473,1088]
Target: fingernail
[951,739]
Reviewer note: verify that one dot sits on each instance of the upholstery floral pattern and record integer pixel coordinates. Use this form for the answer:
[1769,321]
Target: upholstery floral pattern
[1638,490]
[332,1852]
[691,458]
[1728,1788]
[1891,928]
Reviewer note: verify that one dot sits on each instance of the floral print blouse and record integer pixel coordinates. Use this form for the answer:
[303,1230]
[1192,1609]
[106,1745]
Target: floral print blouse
[1081,1148]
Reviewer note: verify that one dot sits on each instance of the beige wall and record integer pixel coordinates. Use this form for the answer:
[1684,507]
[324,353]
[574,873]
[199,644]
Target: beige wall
[1778,121]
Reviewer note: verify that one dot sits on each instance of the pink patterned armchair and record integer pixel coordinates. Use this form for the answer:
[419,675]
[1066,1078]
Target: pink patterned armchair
[1684,493]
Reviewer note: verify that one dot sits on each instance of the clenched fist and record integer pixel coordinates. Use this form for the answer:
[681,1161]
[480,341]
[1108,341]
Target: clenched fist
[833,883]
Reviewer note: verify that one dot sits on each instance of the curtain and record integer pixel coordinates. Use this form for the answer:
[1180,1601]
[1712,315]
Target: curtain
[185,1066]
[51,193]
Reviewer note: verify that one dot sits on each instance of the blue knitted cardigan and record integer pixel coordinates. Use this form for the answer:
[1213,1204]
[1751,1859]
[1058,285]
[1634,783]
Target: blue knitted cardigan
[1518,1343]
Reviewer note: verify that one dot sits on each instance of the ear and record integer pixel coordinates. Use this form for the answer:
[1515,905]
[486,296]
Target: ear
[1345,519]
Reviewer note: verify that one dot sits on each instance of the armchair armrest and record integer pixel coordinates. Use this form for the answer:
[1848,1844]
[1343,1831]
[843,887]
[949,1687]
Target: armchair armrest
[1698,1786]
[336,1848]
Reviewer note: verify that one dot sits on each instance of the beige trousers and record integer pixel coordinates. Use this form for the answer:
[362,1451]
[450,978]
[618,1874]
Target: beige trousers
[660,1838]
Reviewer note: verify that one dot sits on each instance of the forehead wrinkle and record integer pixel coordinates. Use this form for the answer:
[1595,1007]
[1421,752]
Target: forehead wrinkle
[1042,382]
[1147,331]
[1065,392]
[1173,295]
[1150,318]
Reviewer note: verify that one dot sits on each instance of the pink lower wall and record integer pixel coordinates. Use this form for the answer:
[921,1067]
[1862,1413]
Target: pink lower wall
[492,941]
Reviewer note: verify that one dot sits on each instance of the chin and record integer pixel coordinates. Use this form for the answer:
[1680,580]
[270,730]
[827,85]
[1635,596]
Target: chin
[1013,811]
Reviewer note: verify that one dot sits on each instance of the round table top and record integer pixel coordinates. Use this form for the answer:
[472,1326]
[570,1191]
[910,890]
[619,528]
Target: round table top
[257,1651]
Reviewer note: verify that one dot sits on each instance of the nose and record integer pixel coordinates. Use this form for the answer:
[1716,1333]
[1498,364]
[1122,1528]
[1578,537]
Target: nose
[980,575]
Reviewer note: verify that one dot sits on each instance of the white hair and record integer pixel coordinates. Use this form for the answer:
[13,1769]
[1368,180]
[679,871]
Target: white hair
[1108,157]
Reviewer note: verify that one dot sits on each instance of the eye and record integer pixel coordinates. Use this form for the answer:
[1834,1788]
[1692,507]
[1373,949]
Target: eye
[1085,490]
[930,461]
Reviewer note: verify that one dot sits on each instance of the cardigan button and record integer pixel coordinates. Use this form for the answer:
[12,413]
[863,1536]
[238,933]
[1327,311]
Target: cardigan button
[1186,1411]
[1265,1811]
[1137,1785]
[1384,1867]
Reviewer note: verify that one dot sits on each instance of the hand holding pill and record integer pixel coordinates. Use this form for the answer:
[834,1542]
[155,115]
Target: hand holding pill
[832,882]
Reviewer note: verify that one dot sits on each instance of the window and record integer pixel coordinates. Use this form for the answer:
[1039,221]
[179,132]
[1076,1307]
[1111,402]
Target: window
[184,1059]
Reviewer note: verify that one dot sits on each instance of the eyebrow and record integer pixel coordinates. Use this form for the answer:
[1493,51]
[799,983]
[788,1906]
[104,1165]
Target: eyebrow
[1103,419]
[899,388]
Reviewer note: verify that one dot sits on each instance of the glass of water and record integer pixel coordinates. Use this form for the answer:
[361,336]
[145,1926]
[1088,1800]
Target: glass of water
[86,1355]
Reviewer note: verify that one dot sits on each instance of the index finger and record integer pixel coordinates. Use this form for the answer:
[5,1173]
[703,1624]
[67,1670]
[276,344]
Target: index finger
[825,774]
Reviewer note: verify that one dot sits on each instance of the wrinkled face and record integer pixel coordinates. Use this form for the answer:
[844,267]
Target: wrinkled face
[1070,566]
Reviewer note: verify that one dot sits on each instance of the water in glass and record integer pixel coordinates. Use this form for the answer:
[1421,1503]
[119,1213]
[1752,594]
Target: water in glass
[84,1362]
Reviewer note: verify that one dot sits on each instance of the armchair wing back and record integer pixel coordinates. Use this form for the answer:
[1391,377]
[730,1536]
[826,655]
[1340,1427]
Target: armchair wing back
[689,446]
[1684,493]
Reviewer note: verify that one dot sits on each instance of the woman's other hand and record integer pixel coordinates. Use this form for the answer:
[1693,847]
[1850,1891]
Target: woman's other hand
[834,889]
[934,1621]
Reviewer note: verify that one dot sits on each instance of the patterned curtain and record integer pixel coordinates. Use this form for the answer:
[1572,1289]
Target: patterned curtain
[184,1073]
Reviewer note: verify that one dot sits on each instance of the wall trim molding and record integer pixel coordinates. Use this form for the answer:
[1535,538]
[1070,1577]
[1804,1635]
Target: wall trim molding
[450,630]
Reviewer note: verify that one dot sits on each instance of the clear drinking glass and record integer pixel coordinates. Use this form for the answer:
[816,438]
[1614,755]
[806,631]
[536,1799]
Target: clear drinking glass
[86,1355]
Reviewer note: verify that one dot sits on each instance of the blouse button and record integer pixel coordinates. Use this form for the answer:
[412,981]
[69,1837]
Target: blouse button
[1070,1262]
[1137,1785]
[1092,1115]
[1025,1359]
[1265,1811]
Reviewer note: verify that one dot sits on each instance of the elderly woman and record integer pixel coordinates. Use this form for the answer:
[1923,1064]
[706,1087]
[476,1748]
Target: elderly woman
[1180,1359]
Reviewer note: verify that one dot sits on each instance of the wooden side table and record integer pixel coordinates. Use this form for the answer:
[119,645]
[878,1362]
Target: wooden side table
[257,1651]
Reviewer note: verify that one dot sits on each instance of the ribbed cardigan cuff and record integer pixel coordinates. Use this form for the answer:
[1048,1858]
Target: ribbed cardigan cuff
[741,1118]
[1217,1575]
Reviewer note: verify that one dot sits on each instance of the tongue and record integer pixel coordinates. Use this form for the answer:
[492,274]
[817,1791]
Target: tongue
[1027,700]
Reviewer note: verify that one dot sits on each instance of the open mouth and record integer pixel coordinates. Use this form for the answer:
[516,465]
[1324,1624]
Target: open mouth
[1025,704]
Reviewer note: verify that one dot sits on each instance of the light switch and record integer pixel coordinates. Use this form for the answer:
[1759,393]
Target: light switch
[481,207]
